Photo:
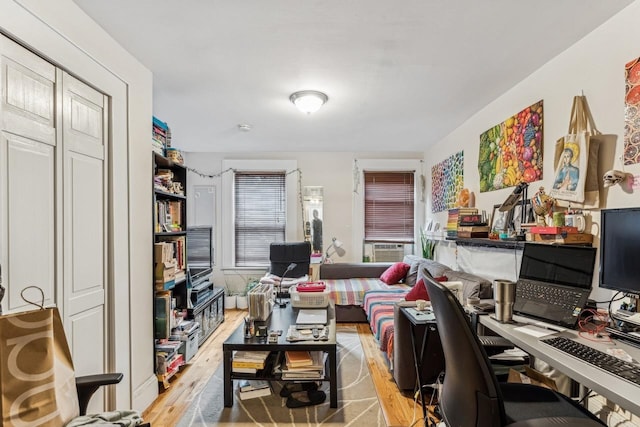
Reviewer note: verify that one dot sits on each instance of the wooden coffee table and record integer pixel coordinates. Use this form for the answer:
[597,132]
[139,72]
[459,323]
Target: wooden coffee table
[280,319]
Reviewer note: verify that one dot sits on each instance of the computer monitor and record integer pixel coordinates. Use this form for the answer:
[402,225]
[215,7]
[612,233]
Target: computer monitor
[619,237]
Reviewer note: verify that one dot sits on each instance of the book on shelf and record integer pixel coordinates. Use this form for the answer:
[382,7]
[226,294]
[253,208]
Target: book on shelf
[244,370]
[251,356]
[553,230]
[561,239]
[472,234]
[256,364]
[298,358]
[473,228]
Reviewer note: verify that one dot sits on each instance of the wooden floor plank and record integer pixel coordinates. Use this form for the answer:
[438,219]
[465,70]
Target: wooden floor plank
[172,403]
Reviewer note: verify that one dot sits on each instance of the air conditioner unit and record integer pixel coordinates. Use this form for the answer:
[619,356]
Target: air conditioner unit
[388,252]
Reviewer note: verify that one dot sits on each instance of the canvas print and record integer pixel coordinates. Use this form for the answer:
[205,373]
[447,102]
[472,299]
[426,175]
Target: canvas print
[447,181]
[511,152]
[631,153]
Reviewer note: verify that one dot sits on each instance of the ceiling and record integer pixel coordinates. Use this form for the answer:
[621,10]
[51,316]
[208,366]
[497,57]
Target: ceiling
[399,75]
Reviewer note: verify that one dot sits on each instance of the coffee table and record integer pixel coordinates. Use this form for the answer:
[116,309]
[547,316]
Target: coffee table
[280,319]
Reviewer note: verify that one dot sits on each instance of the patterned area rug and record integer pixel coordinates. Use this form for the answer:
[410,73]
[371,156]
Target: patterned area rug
[357,399]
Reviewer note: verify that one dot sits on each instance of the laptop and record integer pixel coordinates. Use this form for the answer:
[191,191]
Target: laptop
[554,282]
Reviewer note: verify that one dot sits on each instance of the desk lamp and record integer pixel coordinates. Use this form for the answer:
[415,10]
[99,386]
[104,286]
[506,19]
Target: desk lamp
[280,302]
[336,245]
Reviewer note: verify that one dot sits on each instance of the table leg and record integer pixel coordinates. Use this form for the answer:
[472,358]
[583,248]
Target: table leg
[333,379]
[417,361]
[228,382]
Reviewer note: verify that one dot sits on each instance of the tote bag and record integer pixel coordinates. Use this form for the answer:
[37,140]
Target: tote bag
[576,179]
[37,380]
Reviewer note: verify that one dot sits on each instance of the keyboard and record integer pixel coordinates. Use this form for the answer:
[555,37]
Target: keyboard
[625,370]
[564,298]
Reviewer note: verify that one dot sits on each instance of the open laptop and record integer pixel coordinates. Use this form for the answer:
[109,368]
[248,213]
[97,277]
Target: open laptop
[554,283]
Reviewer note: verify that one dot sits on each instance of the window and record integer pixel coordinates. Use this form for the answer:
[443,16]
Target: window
[389,207]
[260,215]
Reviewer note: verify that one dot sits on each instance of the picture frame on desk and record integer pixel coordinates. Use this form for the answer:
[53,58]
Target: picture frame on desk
[500,221]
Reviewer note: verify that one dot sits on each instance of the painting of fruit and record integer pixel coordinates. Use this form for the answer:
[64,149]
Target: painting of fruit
[511,152]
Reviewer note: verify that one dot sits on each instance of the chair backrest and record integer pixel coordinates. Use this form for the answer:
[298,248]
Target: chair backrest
[281,254]
[470,394]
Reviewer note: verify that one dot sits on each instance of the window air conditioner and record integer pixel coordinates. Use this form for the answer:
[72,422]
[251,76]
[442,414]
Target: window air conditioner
[386,252]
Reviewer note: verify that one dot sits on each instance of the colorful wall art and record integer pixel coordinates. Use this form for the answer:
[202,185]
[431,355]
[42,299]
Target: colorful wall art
[511,152]
[447,179]
[632,113]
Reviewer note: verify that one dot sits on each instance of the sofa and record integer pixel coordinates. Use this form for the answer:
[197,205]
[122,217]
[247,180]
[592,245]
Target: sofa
[360,296]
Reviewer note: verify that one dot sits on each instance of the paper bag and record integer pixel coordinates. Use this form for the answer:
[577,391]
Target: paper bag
[577,180]
[37,380]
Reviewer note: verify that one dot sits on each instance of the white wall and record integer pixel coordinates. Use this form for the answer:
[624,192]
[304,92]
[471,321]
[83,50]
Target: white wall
[332,171]
[595,66]
[62,33]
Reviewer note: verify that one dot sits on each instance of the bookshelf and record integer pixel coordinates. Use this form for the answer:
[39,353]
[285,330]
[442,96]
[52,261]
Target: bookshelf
[169,262]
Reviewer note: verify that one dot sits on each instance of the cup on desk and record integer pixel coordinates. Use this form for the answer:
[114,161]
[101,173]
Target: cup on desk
[421,304]
[504,294]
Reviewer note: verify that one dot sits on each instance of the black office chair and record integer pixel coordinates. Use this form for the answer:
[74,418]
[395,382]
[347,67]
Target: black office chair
[471,394]
[282,254]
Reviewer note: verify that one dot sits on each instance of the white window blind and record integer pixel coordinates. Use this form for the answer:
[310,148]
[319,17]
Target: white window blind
[260,215]
[389,207]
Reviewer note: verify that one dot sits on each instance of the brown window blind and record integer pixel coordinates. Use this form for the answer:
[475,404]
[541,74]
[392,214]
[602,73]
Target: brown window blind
[388,207]
[260,215]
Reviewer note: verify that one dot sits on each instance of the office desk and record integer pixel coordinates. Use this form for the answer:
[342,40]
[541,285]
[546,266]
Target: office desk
[614,388]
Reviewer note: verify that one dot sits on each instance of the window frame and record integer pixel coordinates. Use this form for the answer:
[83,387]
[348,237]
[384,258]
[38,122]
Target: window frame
[228,203]
[385,165]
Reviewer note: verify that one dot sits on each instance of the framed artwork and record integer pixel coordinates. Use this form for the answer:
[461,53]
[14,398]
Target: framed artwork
[500,220]
[516,215]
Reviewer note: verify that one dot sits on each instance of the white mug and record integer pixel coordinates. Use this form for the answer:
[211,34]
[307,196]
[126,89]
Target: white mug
[575,220]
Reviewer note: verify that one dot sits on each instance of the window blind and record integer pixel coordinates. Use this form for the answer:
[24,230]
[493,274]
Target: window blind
[260,215]
[389,207]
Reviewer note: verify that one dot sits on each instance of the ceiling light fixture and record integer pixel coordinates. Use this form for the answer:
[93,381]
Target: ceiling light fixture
[308,101]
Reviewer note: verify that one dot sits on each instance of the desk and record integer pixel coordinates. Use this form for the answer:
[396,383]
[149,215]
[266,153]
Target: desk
[417,318]
[607,385]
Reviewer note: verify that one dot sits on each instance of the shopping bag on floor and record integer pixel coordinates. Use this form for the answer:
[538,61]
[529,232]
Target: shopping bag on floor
[37,380]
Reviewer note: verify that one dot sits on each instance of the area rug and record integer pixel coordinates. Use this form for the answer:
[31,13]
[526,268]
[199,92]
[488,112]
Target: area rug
[357,399]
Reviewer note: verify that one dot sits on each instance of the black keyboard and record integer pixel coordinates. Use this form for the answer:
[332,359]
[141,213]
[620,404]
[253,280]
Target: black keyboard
[564,298]
[600,359]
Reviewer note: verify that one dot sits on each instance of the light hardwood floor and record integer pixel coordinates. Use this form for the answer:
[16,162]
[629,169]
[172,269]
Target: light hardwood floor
[166,411]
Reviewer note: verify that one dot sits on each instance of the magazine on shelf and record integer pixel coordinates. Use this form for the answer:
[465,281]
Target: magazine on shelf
[250,394]
[248,385]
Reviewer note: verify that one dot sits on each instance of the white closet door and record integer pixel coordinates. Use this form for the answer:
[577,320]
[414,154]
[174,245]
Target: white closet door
[27,174]
[85,225]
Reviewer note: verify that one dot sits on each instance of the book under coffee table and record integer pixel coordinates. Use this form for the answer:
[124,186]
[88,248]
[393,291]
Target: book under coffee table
[280,320]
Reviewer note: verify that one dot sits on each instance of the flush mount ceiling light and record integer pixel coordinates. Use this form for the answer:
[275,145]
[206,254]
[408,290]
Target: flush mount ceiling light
[308,101]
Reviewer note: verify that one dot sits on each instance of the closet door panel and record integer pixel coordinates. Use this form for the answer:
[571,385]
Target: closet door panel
[85,227]
[30,219]
[27,174]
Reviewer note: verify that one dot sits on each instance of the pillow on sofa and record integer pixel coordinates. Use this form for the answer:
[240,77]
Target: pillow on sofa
[411,278]
[472,285]
[434,268]
[395,273]
[419,291]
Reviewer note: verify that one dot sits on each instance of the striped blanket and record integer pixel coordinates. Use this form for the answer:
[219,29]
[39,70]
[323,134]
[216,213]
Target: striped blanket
[379,308]
[351,291]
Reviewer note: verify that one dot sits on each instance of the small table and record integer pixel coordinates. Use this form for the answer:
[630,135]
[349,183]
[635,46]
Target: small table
[416,318]
[280,319]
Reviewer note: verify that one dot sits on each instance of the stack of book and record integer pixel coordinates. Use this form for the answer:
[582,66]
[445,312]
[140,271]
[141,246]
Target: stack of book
[303,365]
[558,235]
[453,220]
[160,136]
[249,362]
[248,389]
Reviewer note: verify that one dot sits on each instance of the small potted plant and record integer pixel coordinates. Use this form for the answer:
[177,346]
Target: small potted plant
[229,298]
